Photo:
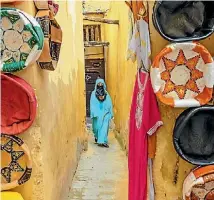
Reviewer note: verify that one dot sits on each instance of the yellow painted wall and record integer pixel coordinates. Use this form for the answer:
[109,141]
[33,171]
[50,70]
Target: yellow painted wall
[57,136]
[120,76]
[165,166]
[120,73]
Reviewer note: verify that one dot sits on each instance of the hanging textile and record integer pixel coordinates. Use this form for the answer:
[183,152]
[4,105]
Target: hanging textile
[140,50]
[144,120]
[139,9]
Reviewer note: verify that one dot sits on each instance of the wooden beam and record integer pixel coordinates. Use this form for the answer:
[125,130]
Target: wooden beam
[102,20]
[95,44]
[94,12]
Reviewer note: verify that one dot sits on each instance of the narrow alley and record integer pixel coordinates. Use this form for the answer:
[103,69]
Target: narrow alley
[101,174]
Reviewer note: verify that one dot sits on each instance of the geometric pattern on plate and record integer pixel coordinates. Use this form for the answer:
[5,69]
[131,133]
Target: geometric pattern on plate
[182,75]
[22,39]
[16,164]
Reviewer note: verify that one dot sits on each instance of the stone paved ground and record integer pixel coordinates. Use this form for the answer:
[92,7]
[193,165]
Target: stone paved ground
[102,173]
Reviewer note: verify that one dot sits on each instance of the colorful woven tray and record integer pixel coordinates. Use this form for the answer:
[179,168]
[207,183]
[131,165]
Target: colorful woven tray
[53,39]
[11,196]
[182,75]
[18,104]
[199,184]
[16,163]
[21,39]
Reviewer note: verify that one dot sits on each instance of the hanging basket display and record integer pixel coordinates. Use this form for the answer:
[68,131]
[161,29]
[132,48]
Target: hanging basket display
[199,184]
[193,136]
[11,196]
[53,39]
[18,104]
[16,163]
[182,21]
[182,75]
[21,39]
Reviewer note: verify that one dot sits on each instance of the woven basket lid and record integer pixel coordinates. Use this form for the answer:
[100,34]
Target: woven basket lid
[21,39]
[52,41]
[11,196]
[182,75]
[16,163]
[182,21]
[199,184]
[193,135]
[18,104]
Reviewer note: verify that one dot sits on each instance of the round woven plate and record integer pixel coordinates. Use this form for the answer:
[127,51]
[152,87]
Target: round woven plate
[199,184]
[182,75]
[21,39]
[11,196]
[16,164]
[18,104]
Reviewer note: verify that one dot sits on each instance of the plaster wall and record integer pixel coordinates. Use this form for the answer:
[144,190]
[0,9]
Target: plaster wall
[57,137]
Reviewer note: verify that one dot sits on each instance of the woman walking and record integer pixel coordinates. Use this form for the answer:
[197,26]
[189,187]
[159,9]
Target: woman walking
[101,113]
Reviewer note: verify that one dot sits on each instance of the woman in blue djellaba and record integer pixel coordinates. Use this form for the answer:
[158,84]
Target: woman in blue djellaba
[101,112]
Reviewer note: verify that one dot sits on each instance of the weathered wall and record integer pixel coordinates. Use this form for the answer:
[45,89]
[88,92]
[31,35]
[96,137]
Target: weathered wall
[120,73]
[57,136]
[169,168]
[169,171]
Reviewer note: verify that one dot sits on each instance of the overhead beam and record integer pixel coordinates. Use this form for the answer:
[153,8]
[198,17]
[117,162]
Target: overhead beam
[102,20]
[95,44]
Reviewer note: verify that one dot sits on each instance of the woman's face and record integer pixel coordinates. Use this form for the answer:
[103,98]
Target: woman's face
[100,93]
[100,85]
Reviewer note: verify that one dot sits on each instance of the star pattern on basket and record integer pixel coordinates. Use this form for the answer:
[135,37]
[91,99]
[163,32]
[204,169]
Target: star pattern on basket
[13,165]
[189,71]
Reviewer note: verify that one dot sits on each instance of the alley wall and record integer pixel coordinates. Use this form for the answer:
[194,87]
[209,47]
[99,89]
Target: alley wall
[169,169]
[120,73]
[57,137]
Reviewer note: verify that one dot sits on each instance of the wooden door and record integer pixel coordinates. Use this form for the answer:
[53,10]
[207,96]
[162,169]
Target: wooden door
[93,69]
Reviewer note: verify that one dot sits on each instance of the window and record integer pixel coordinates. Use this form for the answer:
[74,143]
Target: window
[92,33]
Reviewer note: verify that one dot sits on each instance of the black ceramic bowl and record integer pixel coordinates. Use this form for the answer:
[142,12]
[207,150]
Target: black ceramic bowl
[182,21]
[193,135]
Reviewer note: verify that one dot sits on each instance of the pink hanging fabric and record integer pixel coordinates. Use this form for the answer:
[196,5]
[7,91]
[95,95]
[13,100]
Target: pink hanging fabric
[144,120]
